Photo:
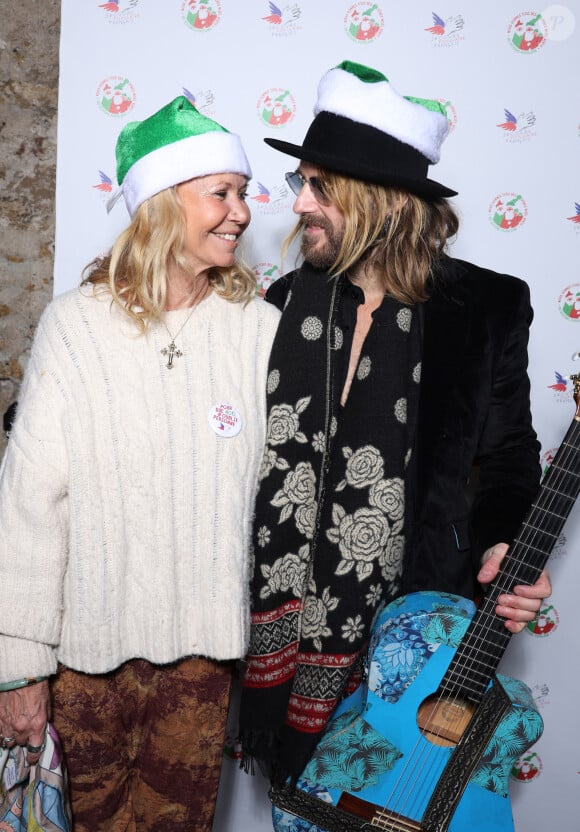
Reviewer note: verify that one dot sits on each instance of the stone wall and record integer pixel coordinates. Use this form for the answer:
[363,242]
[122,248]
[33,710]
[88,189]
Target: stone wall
[29,49]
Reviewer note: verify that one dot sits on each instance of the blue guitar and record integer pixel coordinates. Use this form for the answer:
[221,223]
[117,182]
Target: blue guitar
[428,742]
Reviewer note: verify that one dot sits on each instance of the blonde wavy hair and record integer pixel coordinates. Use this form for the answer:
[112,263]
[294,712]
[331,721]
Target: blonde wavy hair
[134,272]
[388,229]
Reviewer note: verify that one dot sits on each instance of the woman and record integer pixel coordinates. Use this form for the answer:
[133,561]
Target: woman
[127,491]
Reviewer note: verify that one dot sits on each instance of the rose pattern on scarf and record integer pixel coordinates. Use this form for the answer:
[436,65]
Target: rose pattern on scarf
[286,574]
[305,519]
[363,467]
[298,489]
[372,534]
[417,373]
[401,410]
[389,496]
[315,615]
[391,560]
[284,422]
[361,537]
[271,460]
[273,381]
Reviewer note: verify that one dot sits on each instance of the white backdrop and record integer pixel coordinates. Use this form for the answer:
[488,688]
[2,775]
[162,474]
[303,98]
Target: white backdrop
[508,77]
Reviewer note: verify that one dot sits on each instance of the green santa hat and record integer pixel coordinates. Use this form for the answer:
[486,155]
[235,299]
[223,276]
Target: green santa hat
[364,129]
[175,144]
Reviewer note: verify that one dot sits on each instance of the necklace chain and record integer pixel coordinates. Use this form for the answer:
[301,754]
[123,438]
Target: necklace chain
[171,351]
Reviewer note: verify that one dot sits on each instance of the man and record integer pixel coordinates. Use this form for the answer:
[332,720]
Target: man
[394,372]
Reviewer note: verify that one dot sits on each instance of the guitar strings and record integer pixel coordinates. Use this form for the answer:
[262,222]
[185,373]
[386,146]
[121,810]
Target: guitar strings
[560,472]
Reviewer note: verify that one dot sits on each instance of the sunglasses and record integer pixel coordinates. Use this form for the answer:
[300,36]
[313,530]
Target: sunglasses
[296,182]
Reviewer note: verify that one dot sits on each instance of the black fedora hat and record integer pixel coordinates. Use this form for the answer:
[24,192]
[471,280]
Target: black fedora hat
[364,129]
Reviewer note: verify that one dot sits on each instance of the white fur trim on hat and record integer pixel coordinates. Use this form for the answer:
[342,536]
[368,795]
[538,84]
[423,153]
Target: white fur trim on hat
[379,105]
[202,155]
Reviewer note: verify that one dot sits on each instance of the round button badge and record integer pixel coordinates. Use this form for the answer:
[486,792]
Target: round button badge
[225,420]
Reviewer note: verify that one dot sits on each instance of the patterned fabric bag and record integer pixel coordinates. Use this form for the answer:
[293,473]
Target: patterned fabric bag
[34,798]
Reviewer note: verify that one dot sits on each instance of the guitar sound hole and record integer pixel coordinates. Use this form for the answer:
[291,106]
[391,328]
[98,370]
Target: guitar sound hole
[443,719]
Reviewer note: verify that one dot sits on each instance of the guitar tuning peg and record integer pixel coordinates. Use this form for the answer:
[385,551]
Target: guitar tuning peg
[575,356]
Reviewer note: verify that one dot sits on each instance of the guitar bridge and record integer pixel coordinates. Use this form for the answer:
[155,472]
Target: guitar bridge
[376,816]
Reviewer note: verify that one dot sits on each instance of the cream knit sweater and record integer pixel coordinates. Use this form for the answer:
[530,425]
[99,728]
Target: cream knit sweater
[125,518]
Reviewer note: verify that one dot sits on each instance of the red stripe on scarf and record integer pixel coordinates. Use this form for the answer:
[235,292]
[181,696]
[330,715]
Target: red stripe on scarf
[309,715]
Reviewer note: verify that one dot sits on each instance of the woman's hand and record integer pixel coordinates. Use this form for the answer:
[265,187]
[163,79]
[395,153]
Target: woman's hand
[523,604]
[24,713]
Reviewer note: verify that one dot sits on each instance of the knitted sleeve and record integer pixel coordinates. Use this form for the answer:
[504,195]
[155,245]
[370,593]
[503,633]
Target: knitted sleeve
[33,517]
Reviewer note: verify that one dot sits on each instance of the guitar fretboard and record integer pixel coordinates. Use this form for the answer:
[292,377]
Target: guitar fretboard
[486,639]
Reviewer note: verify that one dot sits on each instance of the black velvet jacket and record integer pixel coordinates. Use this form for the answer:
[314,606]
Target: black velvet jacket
[476,465]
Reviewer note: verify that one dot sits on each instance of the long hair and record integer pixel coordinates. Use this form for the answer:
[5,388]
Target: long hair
[134,272]
[388,229]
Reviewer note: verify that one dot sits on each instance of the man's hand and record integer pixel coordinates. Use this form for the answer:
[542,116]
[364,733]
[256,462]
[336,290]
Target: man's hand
[521,606]
[24,713]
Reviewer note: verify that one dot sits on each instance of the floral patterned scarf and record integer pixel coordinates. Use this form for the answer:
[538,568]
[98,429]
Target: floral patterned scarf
[329,524]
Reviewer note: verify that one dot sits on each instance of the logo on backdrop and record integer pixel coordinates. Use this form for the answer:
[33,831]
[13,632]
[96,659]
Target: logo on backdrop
[560,549]
[560,388]
[518,128]
[560,385]
[276,107]
[575,218]
[548,456]
[232,746]
[200,16]
[120,11]
[272,200]
[450,112]
[104,186]
[507,211]
[527,768]
[266,274]
[541,694]
[546,622]
[527,32]
[448,32]
[283,20]
[116,95]
[364,22]
[203,100]
[569,302]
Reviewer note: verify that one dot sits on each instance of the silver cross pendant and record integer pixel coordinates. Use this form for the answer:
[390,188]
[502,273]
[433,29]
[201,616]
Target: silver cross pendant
[171,352]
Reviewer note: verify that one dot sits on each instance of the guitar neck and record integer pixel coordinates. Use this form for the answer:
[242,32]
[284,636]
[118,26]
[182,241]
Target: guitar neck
[486,639]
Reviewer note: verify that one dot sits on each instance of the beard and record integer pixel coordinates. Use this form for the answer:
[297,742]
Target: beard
[318,255]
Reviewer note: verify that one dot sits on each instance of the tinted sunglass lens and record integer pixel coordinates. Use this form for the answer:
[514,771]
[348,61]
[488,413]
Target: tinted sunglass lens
[295,181]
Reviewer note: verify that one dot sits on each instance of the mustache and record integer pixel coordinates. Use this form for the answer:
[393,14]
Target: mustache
[318,220]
